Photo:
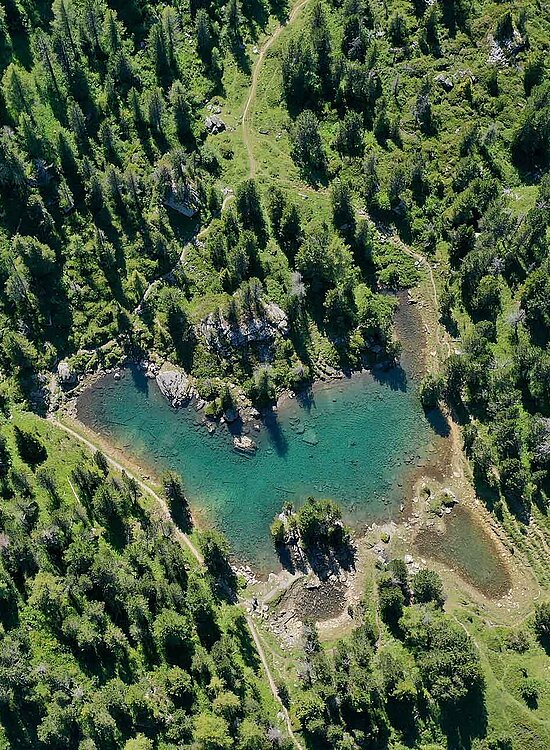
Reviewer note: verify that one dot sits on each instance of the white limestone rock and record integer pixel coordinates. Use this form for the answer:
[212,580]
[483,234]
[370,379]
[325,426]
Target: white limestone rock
[222,336]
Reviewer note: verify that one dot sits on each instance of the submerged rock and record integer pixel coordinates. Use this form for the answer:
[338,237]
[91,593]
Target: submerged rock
[310,437]
[244,444]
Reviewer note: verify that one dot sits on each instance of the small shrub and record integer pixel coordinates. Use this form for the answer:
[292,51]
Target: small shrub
[428,587]
[542,621]
[277,532]
[431,390]
[518,640]
[391,602]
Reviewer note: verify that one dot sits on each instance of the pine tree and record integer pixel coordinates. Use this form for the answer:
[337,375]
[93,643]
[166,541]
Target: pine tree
[115,188]
[205,42]
[181,111]
[67,157]
[18,92]
[249,207]
[95,198]
[5,39]
[111,38]
[78,127]
[93,22]
[12,166]
[155,109]
[158,50]
[172,33]
[65,23]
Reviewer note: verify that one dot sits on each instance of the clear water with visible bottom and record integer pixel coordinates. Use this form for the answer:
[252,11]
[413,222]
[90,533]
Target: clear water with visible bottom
[466,547]
[352,440]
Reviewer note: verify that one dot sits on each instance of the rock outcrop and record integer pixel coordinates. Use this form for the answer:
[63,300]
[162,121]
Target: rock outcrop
[221,336]
[66,375]
[214,124]
[176,386]
[445,82]
[231,414]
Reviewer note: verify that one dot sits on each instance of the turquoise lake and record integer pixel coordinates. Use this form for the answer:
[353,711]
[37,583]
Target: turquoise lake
[353,440]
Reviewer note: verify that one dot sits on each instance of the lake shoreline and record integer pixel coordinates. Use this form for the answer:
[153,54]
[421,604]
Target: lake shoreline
[411,326]
[405,316]
[329,391]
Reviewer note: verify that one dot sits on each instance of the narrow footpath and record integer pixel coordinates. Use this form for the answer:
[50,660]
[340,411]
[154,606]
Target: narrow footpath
[142,485]
[254,84]
[161,503]
[186,542]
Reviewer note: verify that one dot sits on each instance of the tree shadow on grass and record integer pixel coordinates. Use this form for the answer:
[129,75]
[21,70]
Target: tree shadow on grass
[106,667]
[246,645]
[19,726]
[181,516]
[487,494]
[279,9]
[315,177]
[402,716]
[258,14]
[465,723]
[459,413]
[118,532]
[9,614]
[301,339]
[238,50]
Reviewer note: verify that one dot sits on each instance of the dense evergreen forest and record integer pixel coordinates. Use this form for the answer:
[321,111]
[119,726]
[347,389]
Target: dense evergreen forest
[105,151]
[109,637]
[132,225]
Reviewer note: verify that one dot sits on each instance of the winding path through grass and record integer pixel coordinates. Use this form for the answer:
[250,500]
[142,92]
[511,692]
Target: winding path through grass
[254,83]
[141,484]
[183,538]
[188,543]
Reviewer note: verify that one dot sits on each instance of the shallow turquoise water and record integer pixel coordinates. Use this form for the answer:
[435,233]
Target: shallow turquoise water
[352,441]
[466,547]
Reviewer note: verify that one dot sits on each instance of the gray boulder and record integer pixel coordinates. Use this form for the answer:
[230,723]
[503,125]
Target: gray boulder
[214,124]
[66,375]
[176,386]
[223,337]
[244,444]
[445,82]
